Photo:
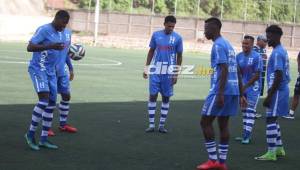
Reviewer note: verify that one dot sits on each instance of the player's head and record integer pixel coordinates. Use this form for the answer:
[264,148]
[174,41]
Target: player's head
[61,20]
[247,43]
[169,24]
[212,27]
[261,41]
[274,33]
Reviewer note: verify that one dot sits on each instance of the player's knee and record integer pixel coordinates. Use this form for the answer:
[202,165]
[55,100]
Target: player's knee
[52,103]
[270,120]
[153,98]
[165,99]
[43,96]
[66,97]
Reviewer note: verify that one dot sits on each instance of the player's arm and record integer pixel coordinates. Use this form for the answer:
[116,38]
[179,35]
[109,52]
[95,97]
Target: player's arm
[252,80]
[70,66]
[223,79]
[148,61]
[298,61]
[274,88]
[243,101]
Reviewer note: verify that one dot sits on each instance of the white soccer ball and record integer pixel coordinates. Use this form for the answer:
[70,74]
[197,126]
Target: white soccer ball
[76,52]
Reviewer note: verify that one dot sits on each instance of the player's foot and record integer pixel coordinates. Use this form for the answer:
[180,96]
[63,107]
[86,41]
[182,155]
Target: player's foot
[209,165]
[51,133]
[149,130]
[289,116]
[48,144]
[222,166]
[162,130]
[67,128]
[31,143]
[280,152]
[258,115]
[269,156]
[245,141]
[238,138]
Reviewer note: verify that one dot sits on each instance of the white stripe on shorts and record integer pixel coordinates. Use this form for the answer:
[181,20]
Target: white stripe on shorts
[211,105]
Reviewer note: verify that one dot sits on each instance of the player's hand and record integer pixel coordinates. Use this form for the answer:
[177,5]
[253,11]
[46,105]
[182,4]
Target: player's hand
[57,46]
[174,79]
[243,102]
[267,102]
[220,100]
[71,75]
[145,75]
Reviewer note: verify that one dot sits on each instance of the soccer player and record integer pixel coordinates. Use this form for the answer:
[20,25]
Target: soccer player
[277,100]
[261,43]
[223,98]
[165,57]
[295,100]
[64,77]
[250,65]
[46,45]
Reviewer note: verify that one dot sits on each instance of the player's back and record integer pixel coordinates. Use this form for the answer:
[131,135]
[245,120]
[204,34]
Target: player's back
[223,53]
[278,60]
[45,60]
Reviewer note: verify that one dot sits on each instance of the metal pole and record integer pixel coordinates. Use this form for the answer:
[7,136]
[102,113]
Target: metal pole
[270,11]
[131,6]
[245,12]
[198,7]
[175,10]
[110,5]
[97,12]
[153,6]
[89,17]
[222,5]
[295,11]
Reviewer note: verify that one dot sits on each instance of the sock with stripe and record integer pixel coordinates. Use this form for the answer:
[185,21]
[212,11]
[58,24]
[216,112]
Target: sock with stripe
[211,148]
[163,114]
[37,116]
[63,112]
[272,136]
[223,150]
[151,113]
[47,120]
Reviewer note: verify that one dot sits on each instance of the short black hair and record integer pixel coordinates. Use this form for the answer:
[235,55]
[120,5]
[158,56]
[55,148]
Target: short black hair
[214,20]
[275,29]
[249,37]
[170,18]
[62,14]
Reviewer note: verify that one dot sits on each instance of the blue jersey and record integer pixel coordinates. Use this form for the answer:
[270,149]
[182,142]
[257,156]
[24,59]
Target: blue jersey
[249,65]
[61,69]
[223,53]
[278,60]
[166,48]
[46,60]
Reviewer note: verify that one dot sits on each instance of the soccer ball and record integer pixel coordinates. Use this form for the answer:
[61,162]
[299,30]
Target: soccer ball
[76,52]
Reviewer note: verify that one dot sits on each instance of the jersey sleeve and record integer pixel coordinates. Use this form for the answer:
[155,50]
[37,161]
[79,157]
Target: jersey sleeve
[39,36]
[220,54]
[152,42]
[278,64]
[179,46]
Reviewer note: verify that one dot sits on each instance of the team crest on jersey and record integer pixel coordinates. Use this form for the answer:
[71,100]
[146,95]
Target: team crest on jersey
[172,40]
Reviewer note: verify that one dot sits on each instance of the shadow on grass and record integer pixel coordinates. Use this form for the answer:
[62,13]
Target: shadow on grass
[111,136]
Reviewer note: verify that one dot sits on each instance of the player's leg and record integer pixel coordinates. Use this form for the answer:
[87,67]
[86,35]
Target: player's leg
[224,139]
[151,111]
[295,100]
[48,113]
[164,113]
[40,83]
[63,87]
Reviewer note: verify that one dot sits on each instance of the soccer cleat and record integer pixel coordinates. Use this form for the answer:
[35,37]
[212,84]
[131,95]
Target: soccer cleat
[48,144]
[31,143]
[258,115]
[245,141]
[149,130]
[238,138]
[222,166]
[280,152]
[162,130]
[289,116]
[51,133]
[269,156]
[67,128]
[209,165]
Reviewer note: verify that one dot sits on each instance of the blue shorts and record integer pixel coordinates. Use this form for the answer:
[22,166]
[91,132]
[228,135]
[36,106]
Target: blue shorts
[252,99]
[63,84]
[230,108]
[279,103]
[162,85]
[44,82]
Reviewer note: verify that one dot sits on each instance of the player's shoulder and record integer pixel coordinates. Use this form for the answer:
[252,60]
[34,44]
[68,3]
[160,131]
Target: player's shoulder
[157,33]
[255,54]
[240,54]
[68,30]
[176,35]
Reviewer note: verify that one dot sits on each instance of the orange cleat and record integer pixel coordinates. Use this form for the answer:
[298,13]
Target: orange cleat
[209,165]
[51,133]
[67,128]
[222,166]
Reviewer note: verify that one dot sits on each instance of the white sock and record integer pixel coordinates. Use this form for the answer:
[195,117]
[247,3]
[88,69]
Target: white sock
[292,112]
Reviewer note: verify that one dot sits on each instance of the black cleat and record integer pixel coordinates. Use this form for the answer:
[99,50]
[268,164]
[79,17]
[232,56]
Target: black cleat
[162,130]
[149,130]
